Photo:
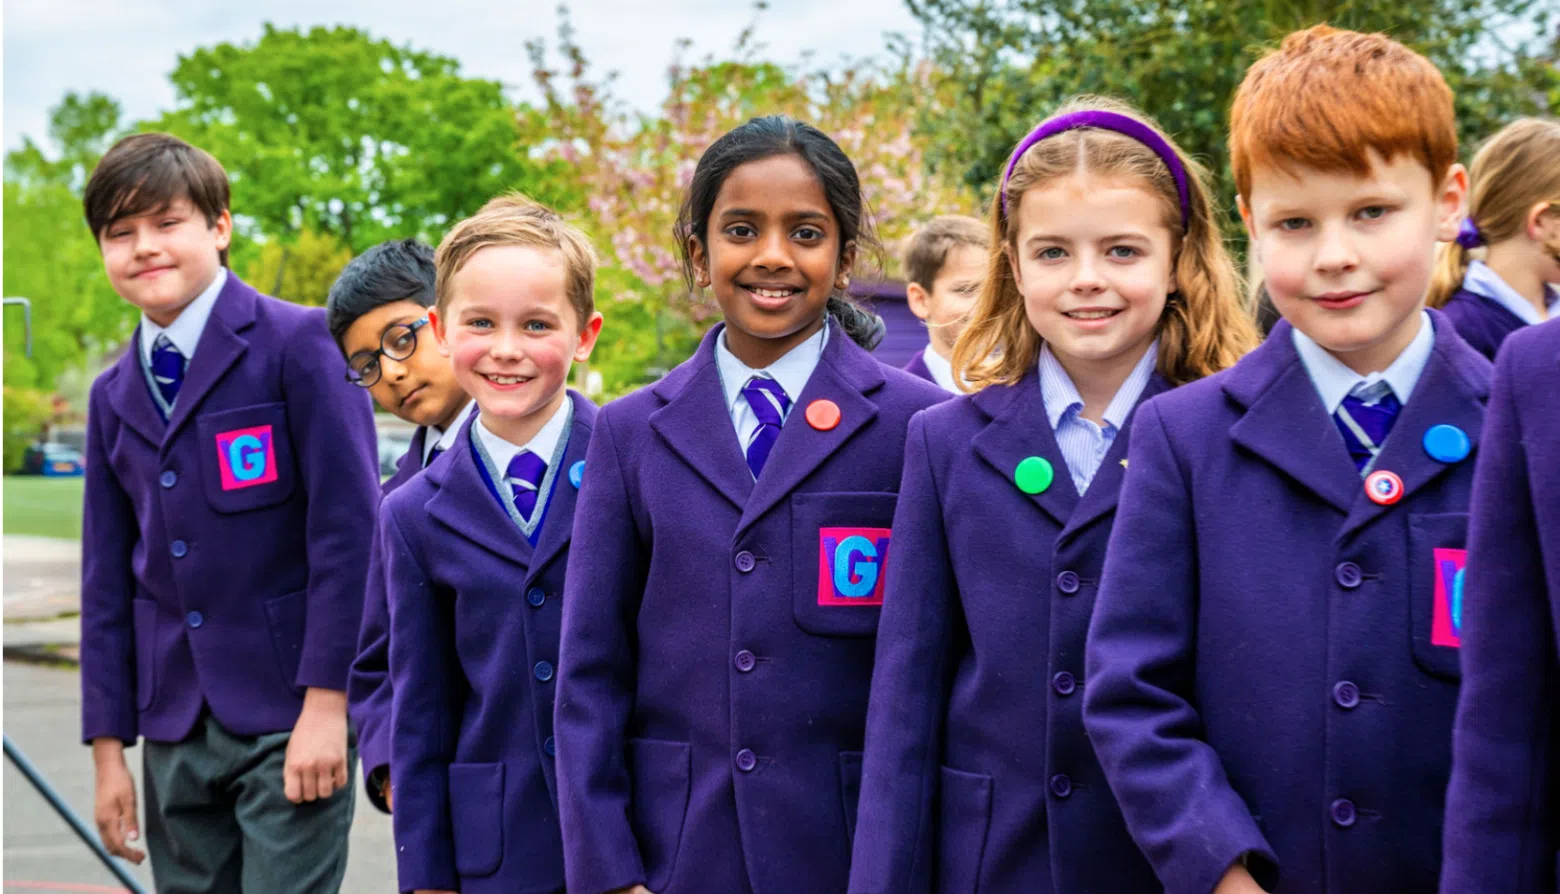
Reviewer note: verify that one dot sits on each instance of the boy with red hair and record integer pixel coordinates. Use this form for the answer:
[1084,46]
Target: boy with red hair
[1284,724]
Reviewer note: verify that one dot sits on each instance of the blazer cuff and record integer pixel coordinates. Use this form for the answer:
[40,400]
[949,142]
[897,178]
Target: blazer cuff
[325,669]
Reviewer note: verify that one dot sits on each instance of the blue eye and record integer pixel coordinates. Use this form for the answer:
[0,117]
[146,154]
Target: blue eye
[1123,252]
[1373,212]
[537,326]
[1293,223]
[1051,254]
[480,323]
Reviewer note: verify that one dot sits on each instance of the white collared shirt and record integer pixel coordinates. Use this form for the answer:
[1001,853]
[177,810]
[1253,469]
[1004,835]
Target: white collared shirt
[186,328]
[543,444]
[941,369]
[1334,381]
[792,372]
[446,438]
[1082,442]
[1481,280]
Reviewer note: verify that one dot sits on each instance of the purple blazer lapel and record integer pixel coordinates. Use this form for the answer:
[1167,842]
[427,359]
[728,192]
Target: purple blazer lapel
[558,525]
[1105,489]
[917,367]
[846,374]
[220,347]
[1451,391]
[131,397]
[696,424]
[1019,429]
[1285,424]
[410,462]
[462,502]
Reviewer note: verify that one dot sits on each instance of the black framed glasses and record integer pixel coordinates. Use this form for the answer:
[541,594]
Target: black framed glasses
[397,342]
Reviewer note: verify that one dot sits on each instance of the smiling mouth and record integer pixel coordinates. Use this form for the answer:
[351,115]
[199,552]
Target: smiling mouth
[771,293]
[506,380]
[1090,315]
[152,271]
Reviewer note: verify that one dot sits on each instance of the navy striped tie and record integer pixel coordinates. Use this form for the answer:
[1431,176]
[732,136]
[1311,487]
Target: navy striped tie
[525,474]
[769,404]
[1365,421]
[167,368]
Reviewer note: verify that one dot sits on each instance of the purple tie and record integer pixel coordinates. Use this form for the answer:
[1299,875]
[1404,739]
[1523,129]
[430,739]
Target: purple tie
[167,368]
[525,476]
[434,454]
[1365,422]
[769,404]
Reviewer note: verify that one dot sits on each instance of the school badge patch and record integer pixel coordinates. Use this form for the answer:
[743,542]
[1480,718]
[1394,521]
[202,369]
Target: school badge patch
[246,457]
[1446,623]
[850,565]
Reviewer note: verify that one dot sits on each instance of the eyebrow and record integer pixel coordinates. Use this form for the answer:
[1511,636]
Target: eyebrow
[809,214]
[1112,237]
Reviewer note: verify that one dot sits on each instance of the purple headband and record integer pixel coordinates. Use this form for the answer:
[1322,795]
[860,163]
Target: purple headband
[1468,235]
[1112,121]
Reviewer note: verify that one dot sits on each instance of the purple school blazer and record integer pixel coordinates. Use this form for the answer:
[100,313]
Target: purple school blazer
[223,555]
[1503,816]
[368,686]
[474,620]
[917,367]
[718,632]
[1267,673]
[978,775]
[1482,322]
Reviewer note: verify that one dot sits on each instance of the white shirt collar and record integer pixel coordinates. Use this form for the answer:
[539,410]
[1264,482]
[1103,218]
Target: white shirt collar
[940,368]
[1484,281]
[445,439]
[186,328]
[543,444]
[1061,395]
[1334,381]
[792,371]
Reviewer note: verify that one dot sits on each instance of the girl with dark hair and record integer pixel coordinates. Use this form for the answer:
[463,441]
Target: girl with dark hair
[727,569]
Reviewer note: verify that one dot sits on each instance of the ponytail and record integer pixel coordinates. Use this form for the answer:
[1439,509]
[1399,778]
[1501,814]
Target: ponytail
[864,327]
[1451,266]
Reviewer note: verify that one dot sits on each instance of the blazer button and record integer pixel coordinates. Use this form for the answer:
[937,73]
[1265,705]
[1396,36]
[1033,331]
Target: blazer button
[1061,786]
[544,671]
[1348,575]
[746,760]
[1067,582]
[746,562]
[536,597]
[1343,813]
[194,619]
[168,479]
[745,661]
[550,746]
[1064,683]
[1346,694]
[179,549]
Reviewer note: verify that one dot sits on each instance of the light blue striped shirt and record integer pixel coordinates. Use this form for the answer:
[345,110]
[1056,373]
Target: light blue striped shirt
[1082,442]
[1484,281]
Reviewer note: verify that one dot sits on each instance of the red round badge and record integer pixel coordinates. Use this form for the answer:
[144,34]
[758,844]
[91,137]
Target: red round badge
[1383,487]
[823,414]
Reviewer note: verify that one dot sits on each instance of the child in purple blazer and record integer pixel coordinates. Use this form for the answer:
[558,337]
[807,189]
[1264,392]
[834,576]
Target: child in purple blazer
[1502,814]
[1514,217]
[1108,283]
[945,263]
[230,473]
[378,313]
[1272,674]
[474,550]
[727,575]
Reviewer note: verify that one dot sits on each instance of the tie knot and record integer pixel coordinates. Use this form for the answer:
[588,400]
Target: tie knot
[767,399]
[526,467]
[1372,394]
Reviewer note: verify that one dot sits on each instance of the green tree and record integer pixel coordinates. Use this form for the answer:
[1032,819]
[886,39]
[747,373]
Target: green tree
[302,272]
[1005,63]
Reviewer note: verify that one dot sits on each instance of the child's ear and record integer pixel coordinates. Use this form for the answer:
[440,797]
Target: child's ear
[701,262]
[1013,265]
[440,337]
[588,335]
[919,299]
[224,229]
[1452,203]
[1245,217]
[847,264]
[1542,223]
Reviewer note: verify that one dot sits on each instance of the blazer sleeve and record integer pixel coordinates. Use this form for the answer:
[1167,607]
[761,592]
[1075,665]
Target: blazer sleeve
[368,685]
[1141,664]
[108,537]
[1501,818]
[893,850]
[332,427]
[427,688]
[603,590]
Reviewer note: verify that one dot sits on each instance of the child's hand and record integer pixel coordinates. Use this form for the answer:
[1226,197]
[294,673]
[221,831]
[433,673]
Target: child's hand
[114,804]
[316,764]
[389,794]
[1238,881]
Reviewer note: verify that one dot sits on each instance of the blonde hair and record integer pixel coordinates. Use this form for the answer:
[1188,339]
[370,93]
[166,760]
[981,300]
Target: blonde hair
[1515,169]
[1206,326]
[514,219]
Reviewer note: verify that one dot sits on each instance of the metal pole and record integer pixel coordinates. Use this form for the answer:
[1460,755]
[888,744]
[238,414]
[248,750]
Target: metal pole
[87,836]
[26,319]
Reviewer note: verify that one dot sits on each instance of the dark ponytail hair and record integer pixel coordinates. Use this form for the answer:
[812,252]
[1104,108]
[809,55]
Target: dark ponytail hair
[766,137]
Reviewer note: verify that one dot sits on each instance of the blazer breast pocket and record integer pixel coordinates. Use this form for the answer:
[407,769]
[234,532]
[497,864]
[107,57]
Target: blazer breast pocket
[1437,555]
[246,457]
[840,544]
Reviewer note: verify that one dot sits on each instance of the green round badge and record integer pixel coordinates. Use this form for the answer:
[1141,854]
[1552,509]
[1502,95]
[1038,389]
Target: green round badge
[1034,475]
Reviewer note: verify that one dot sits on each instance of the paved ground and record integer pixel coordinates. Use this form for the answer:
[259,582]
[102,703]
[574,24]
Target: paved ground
[40,853]
[42,577]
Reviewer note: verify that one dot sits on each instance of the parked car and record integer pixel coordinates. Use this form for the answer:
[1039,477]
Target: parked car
[54,460]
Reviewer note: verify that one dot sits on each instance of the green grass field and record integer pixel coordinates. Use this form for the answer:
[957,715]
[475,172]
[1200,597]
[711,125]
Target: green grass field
[46,507]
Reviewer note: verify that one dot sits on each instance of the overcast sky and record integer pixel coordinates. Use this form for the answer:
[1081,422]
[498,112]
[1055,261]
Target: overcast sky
[126,48]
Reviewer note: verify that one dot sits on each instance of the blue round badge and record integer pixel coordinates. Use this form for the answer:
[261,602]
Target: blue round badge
[1447,443]
[577,474]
